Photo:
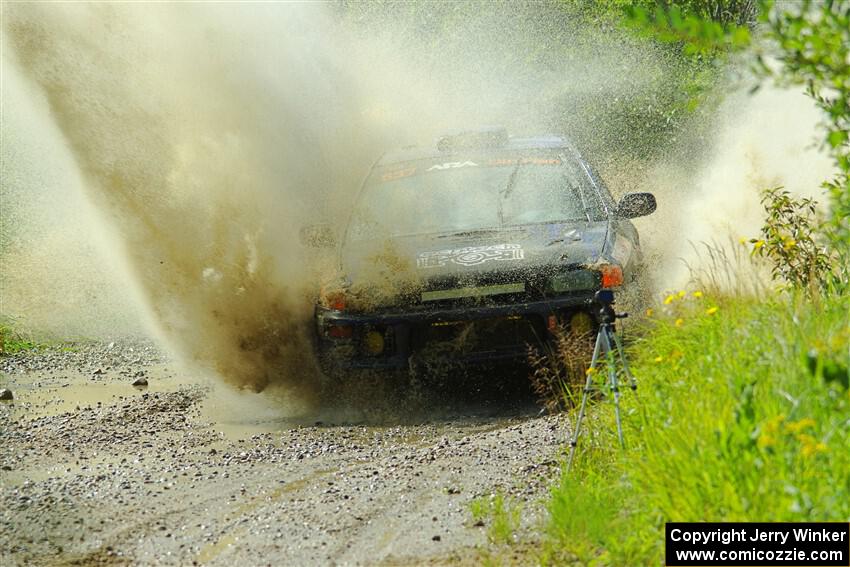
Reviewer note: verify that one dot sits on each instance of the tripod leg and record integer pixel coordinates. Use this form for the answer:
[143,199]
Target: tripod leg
[621,352]
[612,378]
[574,441]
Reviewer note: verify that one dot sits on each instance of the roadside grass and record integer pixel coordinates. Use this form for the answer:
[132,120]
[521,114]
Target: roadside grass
[13,341]
[501,516]
[742,414]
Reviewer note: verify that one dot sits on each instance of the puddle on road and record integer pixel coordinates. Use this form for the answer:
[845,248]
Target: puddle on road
[236,414]
[39,394]
[241,414]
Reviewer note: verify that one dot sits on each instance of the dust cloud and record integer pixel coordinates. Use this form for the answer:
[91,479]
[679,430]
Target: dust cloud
[185,145]
[764,140]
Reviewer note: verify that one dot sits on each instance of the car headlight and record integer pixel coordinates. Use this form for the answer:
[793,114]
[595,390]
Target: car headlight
[597,276]
[575,280]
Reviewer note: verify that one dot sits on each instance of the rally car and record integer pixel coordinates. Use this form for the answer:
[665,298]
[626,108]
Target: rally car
[471,250]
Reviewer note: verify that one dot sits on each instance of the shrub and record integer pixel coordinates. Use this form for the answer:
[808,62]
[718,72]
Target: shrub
[789,240]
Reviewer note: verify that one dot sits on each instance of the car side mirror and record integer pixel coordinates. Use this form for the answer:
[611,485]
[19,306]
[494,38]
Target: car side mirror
[320,235]
[634,205]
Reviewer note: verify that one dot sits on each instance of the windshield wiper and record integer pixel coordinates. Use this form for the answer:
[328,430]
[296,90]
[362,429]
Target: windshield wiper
[511,182]
[584,204]
[507,191]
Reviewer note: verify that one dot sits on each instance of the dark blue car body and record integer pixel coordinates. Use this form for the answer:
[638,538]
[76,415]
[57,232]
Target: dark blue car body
[476,294]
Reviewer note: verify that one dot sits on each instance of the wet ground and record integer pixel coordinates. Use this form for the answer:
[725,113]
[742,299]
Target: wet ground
[95,471]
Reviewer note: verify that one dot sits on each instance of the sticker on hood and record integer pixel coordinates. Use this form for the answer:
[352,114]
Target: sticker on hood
[470,256]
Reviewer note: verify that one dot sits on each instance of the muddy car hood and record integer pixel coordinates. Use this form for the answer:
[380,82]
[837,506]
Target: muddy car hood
[444,260]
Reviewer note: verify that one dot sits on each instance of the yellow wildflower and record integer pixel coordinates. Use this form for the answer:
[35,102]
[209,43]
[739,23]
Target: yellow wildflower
[758,244]
[711,310]
[742,241]
[798,426]
[669,299]
[649,312]
[682,294]
[789,243]
[765,440]
[679,322]
[771,426]
[697,294]
[590,371]
[659,359]
[810,450]
[810,445]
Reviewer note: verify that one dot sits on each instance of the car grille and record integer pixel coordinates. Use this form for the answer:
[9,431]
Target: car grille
[482,335]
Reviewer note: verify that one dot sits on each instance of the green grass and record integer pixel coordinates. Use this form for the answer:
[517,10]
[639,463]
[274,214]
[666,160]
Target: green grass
[16,338]
[735,419]
[13,342]
[500,515]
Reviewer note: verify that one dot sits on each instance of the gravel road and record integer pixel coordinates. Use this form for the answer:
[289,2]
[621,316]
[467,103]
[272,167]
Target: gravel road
[95,471]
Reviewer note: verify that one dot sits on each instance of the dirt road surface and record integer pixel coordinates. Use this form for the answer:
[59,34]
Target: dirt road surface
[95,471]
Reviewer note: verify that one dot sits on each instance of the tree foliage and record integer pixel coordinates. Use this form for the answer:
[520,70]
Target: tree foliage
[700,27]
[813,46]
[809,42]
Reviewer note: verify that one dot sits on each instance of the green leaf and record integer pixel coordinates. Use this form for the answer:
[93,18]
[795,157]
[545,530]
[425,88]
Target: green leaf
[837,137]
[740,37]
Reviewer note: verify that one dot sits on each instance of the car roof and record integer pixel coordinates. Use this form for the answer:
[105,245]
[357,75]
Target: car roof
[412,153]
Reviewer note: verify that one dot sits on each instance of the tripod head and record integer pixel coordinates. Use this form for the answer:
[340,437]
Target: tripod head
[607,315]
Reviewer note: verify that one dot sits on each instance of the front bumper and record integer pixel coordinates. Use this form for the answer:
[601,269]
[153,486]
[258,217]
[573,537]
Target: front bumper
[502,332]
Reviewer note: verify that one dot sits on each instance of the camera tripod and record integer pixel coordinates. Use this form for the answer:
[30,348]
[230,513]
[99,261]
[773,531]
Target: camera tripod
[606,343]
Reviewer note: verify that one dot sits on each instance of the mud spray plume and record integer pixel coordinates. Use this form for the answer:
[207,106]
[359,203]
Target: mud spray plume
[201,169]
[760,141]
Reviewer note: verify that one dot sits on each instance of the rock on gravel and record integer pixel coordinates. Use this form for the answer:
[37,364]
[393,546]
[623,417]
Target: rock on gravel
[6,394]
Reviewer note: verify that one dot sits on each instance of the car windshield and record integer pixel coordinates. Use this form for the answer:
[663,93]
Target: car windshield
[465,195]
